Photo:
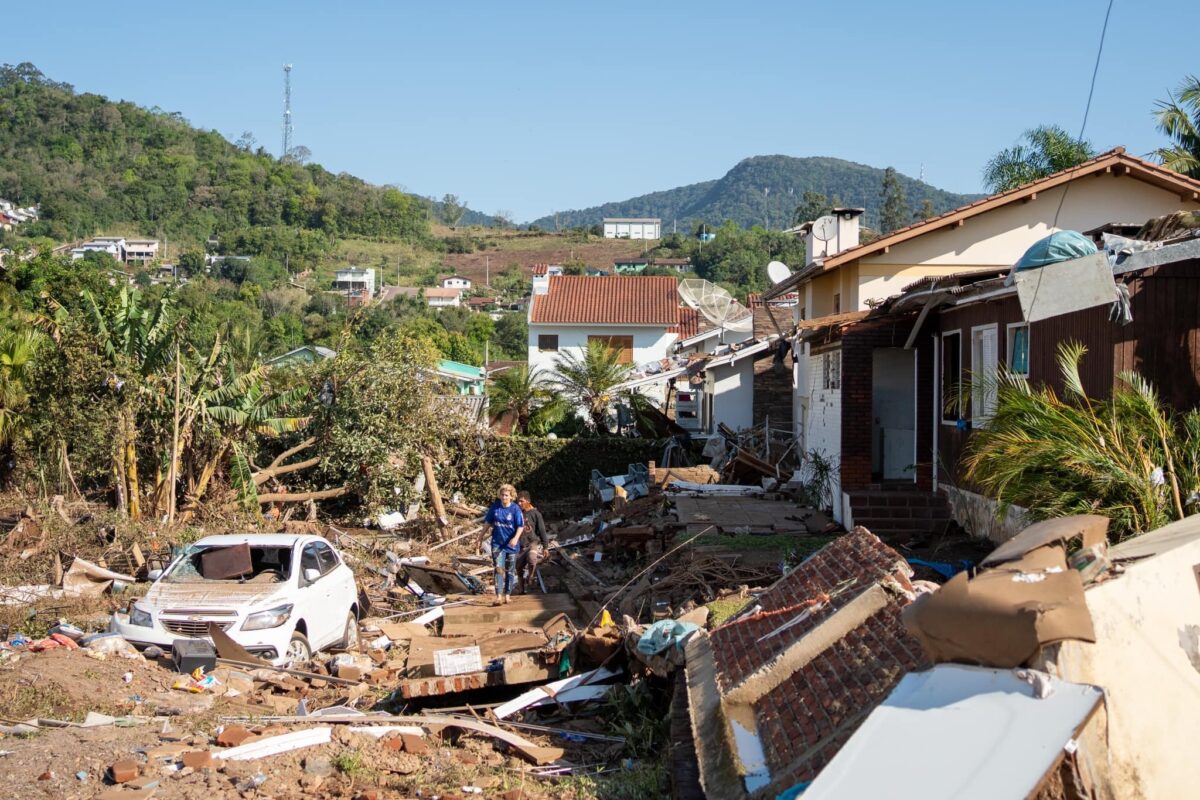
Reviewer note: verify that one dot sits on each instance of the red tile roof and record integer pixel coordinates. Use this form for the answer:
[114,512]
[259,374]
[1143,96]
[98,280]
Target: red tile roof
[809,705]
[690,323]
[540,269]
[615,300]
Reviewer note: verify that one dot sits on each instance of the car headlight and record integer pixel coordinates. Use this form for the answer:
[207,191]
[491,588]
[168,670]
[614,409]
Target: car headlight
[271,618]
[139,616]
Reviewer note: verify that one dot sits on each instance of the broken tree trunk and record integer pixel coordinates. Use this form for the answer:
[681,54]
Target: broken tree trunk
[278,467]
[435,497]
[300,497]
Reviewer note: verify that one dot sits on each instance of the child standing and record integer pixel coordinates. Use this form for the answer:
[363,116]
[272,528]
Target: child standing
[506,524]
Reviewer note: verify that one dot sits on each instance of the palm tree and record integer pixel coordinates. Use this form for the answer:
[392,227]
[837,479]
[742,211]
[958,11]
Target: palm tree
[1046,149]
[1128,457]
[526,395]
[587,380]
[1179,118]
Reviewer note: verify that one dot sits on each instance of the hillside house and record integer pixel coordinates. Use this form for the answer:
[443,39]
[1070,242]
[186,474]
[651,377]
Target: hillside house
[632,228]
[357,284]
[456,282]
[465,378]
[634,315]
[631,265]
[301,356]
[112,245]
[546,270]
[859,384]
[437,297]
[141,251]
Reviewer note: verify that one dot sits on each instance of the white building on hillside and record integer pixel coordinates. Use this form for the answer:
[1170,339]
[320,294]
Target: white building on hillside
[625,228]
[356,283]
[438,297]
[456,282]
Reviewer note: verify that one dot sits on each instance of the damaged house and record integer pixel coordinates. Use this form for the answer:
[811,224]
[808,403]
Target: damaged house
[774,693]
[855,364]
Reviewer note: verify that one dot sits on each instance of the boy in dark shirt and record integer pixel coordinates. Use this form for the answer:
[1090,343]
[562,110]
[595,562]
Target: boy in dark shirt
[533,547]
[506,522]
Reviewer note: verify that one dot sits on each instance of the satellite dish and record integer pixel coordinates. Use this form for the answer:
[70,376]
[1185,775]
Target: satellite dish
[825,228]
[716,305]
[778,272]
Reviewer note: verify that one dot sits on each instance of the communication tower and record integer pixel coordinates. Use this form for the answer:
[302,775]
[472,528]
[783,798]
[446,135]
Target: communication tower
[287,110]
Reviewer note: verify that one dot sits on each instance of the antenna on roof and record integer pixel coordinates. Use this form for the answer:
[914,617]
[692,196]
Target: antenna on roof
[778,272]
[717,305]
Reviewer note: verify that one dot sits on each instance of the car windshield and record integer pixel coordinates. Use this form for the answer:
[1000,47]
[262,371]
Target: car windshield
[240,562]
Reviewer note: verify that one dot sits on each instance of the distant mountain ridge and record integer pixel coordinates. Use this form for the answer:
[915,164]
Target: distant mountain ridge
[764,190]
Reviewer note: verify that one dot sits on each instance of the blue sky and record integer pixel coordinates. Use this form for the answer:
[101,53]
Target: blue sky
[536,106]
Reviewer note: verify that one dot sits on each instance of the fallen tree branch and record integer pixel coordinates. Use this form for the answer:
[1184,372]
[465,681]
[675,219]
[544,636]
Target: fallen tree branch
[264,475]
[300,497]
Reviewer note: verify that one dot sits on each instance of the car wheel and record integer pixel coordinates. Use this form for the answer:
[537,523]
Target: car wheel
[350,636]
[298,651]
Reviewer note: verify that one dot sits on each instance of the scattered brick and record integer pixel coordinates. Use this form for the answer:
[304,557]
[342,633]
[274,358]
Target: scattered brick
[199,759]
[415,744]
[233,735]
[125,770]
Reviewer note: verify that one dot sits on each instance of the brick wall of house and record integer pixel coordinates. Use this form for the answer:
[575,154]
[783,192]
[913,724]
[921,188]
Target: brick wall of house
[858,344]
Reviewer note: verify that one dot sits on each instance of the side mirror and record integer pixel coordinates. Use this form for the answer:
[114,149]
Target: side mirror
[154,574]
[311,575]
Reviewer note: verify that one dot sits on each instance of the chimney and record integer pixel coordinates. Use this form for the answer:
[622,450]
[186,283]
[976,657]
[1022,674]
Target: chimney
[541,284]
[847,228]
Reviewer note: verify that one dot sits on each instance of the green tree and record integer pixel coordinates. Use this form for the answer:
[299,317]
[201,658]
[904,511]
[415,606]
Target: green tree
[813,205]
[452,210]
[1129,458]
[587,380]
[512,335]
[894,211]
[925,211]
[525,395]
[1044,150]
[16,359]
[1178,117]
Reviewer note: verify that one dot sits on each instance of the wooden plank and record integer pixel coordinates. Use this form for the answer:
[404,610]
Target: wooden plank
[525,611]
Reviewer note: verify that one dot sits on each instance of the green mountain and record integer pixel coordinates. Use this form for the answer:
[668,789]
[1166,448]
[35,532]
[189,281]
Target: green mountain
[92,163]
[764,190]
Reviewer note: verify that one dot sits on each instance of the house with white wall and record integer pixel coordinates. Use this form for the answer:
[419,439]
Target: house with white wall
[632,228]
[636,316]
[438,297]
[357,284]
[856,379]
[456,282]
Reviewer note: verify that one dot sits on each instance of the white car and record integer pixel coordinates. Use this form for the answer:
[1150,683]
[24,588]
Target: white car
[290,597]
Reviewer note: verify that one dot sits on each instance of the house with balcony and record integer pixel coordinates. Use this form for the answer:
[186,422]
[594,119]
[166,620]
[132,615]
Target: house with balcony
[358,285]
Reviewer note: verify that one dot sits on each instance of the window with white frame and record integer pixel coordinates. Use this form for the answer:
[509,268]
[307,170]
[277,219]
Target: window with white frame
[984,360]
[831,370]
[1018,349]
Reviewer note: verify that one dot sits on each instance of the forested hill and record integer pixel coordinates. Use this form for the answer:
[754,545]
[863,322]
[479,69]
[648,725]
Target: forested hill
[765,190]
[92,163]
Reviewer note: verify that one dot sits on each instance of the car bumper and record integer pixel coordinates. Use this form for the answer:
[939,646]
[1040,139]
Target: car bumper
[268,644]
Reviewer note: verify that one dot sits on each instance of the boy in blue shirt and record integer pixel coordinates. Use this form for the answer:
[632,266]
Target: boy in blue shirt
[506,525]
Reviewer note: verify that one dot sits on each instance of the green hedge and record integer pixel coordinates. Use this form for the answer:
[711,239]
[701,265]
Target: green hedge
[551,469]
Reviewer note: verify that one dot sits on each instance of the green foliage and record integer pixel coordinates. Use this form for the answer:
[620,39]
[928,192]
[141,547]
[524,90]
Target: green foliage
[524,395]
[382,418]
[551,469]
[814,205]
[740,195]
[1129,458]
[1044,150]
[512,336]
[1178,118]
[894,211]
[92,163]
[452,210]
[16,360]
[586,381]
[737,258]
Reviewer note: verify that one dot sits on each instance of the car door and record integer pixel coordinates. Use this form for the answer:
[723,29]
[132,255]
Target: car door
[314,596]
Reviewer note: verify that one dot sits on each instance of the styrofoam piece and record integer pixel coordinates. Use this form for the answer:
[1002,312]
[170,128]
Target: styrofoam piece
[274,745]
[432,615]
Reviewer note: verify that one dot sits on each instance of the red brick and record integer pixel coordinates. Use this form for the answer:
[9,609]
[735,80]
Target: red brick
[125,770]
[415,744]
[233,735]
[200,759]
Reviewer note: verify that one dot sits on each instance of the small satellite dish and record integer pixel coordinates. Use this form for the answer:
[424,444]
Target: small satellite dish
[716,305]
[778,272]
[825,228]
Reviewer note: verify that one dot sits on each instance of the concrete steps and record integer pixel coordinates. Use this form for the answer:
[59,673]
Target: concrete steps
[899,515]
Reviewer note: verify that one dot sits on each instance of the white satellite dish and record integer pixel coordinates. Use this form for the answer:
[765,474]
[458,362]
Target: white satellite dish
[778,272]
[825,228]
[717,305]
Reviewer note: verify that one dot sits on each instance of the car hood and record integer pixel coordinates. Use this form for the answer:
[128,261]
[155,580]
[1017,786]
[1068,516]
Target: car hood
[213,594]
